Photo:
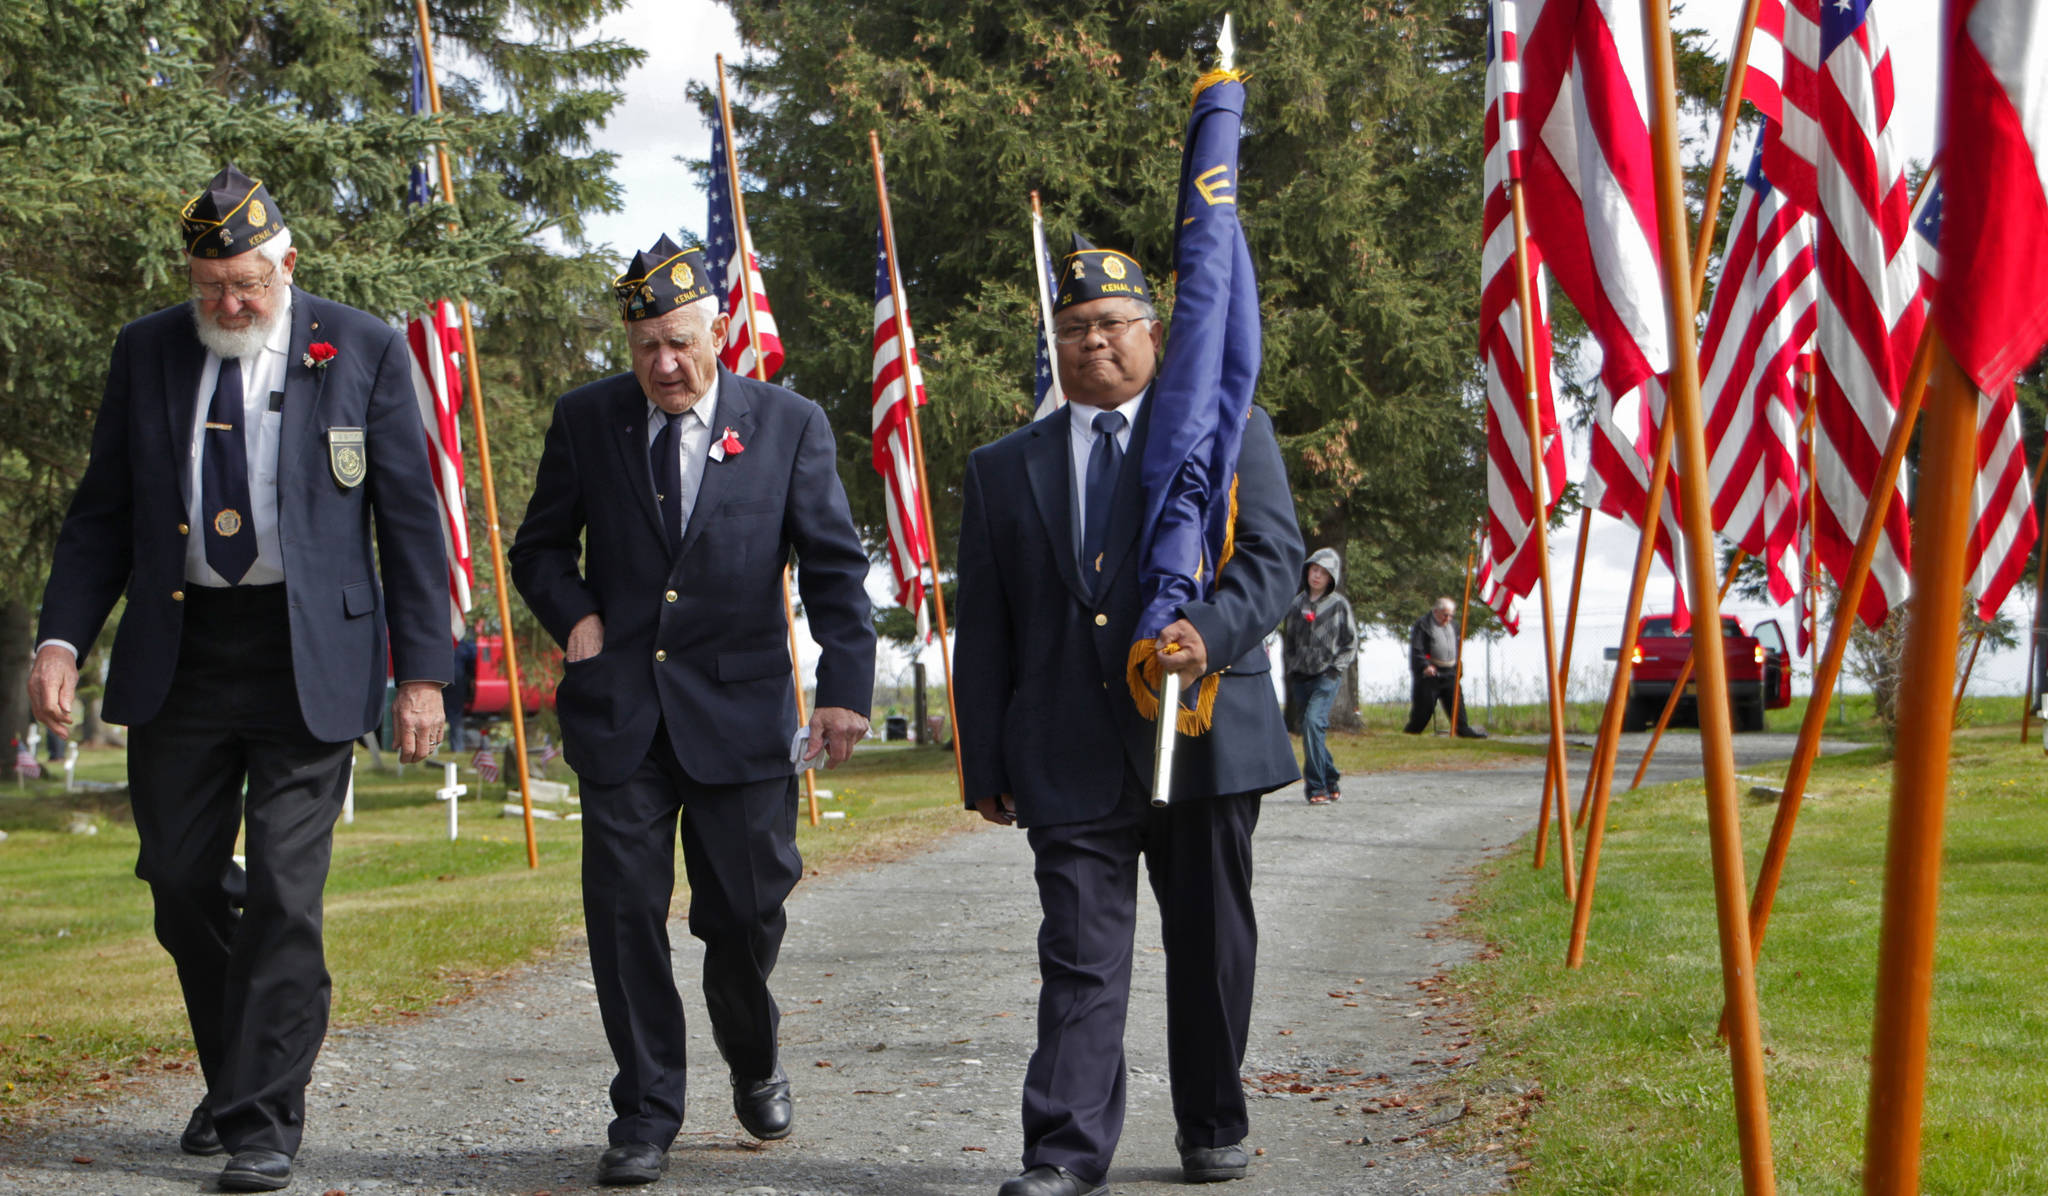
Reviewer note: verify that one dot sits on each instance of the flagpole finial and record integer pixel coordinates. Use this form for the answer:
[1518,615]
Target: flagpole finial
[1226,46]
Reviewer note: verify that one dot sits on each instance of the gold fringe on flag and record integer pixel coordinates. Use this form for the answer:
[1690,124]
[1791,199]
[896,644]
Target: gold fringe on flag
[1214,77]
[1143,672]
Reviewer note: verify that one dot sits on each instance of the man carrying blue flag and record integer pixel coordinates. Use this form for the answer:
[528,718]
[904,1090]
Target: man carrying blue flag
[1055,541]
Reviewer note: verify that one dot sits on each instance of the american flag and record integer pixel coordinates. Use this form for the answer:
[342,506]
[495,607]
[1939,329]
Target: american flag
[909,539]
[25,766]
[1510,569]
[1759,328]
[485,762]
[1045,379]
[436,343]
[725,232]
[2002,523]
[1834,156]
[1592,212]
[1993,306]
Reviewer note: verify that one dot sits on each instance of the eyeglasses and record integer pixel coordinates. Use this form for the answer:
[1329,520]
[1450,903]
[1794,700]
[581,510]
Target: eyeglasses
[1112,328]
[243,291]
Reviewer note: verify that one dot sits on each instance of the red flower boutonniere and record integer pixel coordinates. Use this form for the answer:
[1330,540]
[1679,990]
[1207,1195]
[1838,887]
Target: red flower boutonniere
[318,354]
[731,442]
[1309,615]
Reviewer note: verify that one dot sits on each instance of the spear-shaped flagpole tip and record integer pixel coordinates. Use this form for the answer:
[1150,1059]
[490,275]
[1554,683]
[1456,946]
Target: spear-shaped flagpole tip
[1226,46]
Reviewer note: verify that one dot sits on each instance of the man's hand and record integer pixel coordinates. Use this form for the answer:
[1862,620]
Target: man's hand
[1182,651]
[1429,670]
[999,810]
[834,731]
[586,639]
[417,719]
[52,684]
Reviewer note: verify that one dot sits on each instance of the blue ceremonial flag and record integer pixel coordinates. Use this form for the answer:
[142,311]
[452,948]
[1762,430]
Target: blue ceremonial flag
[1203,394]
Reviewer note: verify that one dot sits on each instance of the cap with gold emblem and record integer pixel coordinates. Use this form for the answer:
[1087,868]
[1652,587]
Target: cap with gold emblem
[1091,273]
[233,215]
[659,280]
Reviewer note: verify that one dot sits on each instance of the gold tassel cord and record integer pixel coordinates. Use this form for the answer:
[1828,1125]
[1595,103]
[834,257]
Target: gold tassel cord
[1214,77]
[1143,672]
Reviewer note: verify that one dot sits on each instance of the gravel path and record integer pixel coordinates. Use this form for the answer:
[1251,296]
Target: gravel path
[909,991]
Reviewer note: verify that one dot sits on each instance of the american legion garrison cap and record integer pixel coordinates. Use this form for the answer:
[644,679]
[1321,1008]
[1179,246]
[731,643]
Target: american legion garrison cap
[1091,273]
[233,215]
[659,280]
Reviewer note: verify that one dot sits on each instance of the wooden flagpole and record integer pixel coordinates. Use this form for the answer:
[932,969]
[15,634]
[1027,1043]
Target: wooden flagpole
[1600,779]
[1905,952]
[924,490]
[501,583]
[1539,529]
[1812,526]
[1684,676]
[1564,655]
[1464,612]
[2040,569]
[1772,869]
[744,250]
[1963,684]
[1724,826]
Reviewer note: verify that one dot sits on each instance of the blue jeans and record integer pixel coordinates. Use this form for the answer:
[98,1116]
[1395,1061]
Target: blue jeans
[1314,694]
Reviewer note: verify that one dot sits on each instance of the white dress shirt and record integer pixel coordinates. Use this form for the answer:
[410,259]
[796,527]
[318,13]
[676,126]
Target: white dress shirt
[1081,436]
[262,376]
[693,444]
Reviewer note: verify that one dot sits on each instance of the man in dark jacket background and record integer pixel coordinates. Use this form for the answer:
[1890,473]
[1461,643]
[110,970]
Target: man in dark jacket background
[1433,671]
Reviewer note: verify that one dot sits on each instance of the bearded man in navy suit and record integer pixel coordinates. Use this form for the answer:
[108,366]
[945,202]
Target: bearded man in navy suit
[667,503]
[259,490]
[1052,741]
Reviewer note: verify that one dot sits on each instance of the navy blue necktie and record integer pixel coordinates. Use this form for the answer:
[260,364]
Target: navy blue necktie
[666,460]
[224,480]
[1105,460]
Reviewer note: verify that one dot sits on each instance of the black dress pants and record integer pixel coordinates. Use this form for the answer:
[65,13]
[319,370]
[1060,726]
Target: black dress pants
[1426,693]
[246,942]
[1198,856]
[739,852]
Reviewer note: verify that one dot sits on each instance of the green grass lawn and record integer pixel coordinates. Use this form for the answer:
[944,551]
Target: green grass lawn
[1635,1088]
[87,997]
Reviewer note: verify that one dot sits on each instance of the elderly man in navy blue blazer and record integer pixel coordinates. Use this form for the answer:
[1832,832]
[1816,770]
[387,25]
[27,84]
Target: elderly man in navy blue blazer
[258,465]
[1052,741]
[668,501]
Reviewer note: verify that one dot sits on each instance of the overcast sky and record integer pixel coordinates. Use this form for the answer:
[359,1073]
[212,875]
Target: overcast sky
[656,125]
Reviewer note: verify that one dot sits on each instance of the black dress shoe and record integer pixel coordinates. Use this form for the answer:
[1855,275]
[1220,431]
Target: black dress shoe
[630,1163]
[1211,1164]
[763,1106]
[257,1171]
[200,1137]
[1050,1181]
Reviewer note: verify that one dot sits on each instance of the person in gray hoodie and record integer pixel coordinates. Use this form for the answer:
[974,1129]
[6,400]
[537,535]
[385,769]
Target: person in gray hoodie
[1319,640]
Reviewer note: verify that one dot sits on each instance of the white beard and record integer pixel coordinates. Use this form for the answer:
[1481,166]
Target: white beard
[226,343]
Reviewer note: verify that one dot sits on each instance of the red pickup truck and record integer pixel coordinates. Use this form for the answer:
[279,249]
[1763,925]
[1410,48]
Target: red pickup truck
[1759,673]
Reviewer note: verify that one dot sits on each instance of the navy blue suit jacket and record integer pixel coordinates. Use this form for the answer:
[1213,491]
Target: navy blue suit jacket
[591,543]
[1045,713]
[124,531]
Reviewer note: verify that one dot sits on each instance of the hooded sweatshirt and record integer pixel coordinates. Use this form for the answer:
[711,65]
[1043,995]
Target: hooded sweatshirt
[1319,636]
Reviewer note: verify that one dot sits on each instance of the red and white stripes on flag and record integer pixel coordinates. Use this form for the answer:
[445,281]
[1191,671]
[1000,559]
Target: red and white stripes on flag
[2003,527]
[1510,569]
[436,343]
[1993,302]
[728,247]
[909,539]
[1835,157]
[1992,297]
[1589,186]
[1759,328]
[485,762]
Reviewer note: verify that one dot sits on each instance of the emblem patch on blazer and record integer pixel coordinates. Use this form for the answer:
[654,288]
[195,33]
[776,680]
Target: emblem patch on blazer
[228,522]
[347,454]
